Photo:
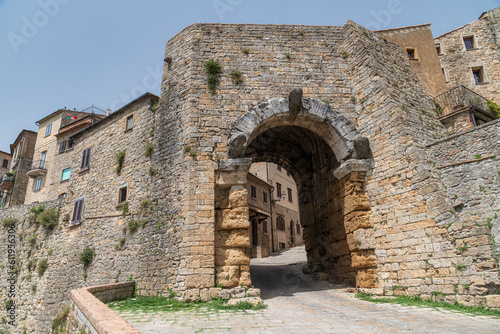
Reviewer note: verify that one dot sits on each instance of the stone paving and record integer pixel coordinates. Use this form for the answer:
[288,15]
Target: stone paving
[298,304]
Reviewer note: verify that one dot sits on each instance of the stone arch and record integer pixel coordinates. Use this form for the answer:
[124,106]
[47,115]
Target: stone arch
[328,159]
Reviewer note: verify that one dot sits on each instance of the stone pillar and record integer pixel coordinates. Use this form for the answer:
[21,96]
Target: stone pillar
[358,227]
[232,224]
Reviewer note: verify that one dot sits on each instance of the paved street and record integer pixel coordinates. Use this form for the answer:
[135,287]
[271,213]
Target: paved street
[298,304]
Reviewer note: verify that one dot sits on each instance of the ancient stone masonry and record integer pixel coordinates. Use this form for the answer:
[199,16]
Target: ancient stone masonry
[340,108]
[459,62]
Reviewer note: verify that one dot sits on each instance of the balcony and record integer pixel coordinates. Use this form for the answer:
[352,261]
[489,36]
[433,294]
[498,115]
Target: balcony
[38,168]
[460,99]
[6,181]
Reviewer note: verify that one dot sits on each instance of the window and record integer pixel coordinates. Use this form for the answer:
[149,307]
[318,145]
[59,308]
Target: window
[280,223]
[85,159]
[264,226]
[71,143]
[62,146]
[5,163]
[445,74]
[297,227]
[38,184]
[122,195]
[48,130]
[42,159]
[77,212]
[130,122]
[438,49]
[469,43]
[411,53]
[254,191]
[279,168]
[282,245]
[66,174]
[290,195]
[264,197]
[478,73]
[278,190]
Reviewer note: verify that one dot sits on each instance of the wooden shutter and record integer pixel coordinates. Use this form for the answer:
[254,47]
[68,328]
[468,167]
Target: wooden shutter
[77,211]
[62,147]
[85,159]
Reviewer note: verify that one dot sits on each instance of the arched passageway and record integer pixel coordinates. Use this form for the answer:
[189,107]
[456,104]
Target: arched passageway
[328,159]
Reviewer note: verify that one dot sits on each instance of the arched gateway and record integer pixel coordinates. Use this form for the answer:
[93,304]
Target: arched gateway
[328,159]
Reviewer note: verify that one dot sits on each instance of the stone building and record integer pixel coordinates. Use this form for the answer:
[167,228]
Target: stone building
[459,68]
[51,169]
[259,206]
[160,187]
[4,162]
[470,55]
[287,231]
[14,185]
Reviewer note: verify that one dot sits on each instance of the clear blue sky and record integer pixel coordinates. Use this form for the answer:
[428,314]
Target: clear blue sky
[72,53]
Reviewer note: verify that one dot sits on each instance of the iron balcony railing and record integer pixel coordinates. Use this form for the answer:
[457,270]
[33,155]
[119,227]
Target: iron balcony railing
[7,178]
[458,98]
[40,164]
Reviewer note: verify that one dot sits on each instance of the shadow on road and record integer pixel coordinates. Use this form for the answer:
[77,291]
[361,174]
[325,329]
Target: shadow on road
[281,275]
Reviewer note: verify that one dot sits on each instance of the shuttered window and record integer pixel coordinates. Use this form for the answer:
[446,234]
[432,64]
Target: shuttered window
[77,212]
[85,159]
[62,146]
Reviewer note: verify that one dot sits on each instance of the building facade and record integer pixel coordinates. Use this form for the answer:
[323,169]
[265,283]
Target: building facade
[259,205]
[15,184]
[51,170]
[469,55]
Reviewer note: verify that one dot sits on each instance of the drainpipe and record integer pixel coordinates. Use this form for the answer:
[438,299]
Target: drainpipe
[271,210]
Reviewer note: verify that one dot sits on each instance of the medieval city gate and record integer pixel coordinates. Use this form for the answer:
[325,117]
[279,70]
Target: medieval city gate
[328,159]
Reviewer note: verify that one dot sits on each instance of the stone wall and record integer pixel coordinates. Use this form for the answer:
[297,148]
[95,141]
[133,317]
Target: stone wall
[458,62]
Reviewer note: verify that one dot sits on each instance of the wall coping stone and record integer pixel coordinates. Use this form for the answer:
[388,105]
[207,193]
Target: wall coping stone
[102,318]
[463,133]
[353,165]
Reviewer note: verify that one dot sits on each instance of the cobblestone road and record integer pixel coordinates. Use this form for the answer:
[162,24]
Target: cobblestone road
[297,304]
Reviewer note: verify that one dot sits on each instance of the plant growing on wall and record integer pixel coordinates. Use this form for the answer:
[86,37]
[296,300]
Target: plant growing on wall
[87,256]
[237,77]
[49,218]
[154,105]
[7,222]
[35,212]
[120,158]
[493,108]
[43,264]
[213,70]
[149,149]
[133,225]
[60,320]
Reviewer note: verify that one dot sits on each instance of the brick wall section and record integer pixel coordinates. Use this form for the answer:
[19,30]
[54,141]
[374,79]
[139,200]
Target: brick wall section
[458,61]
[91,312]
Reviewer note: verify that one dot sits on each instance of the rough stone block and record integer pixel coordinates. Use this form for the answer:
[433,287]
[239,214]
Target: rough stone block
[233,238]
[232,219]
[245,279]
[493,301]
[200,281]
[356,220]
[366,278]
[232,256]
[252,300]
[191,295]
[228,276]
[363,238]
[363,259]
[238,198]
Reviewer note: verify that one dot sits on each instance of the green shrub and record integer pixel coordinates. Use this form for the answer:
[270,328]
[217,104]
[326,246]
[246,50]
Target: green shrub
[237,77]
[124,209]
[7,222]
[154,106]
[133,225]
[494,108]
[87,256]
[9,303]
[43,264]
[145,204]
[49,218]
[120,158]
[61,319]
[149,149]
[31,264]
[213,70]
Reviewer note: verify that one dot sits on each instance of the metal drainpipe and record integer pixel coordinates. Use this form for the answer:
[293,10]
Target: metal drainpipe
[271,209]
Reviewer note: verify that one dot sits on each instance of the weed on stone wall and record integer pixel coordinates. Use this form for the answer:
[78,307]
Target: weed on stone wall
[60,320]
[35,212]
[9,221]
[49,218]
[213,70]
[43,264]
[87,256]
[120,159]
[149,149]
[133,225]
[237,77]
